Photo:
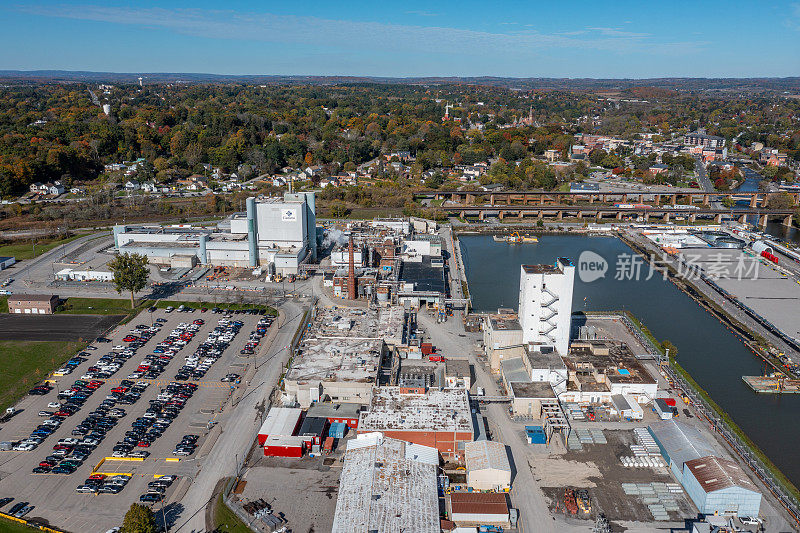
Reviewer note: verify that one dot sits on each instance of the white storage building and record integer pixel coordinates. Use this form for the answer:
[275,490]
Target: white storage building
[487,465]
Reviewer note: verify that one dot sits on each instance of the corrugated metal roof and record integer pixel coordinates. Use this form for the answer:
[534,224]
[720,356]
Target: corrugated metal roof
[479,503]
[382,489]
[681,442]
[715,473]
[485,454]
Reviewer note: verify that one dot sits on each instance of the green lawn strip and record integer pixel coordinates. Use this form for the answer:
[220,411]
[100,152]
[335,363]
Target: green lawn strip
[199,305]
[26,363]
[25,251]
[101,306]
[3,304]
[226,520]
[9,526]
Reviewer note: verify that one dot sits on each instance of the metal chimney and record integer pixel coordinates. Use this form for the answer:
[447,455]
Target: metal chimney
[351,275]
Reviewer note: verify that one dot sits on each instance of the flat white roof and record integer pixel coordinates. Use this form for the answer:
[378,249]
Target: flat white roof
[280,421]
[382,489]
[436,410]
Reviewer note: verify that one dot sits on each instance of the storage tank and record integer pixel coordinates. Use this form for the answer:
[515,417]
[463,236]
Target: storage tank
[202,254]
[251,231]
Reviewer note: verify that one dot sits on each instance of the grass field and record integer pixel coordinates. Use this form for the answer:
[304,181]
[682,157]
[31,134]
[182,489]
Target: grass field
[98,306]
[26,250]
[3,304]
[225,521]
[9,526]
[26,363]
[199,305]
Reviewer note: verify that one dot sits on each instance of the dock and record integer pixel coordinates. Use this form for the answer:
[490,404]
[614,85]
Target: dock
[773,384]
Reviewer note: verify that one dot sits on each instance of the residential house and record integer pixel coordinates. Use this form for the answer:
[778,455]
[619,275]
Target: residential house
[55,188]
[131,185]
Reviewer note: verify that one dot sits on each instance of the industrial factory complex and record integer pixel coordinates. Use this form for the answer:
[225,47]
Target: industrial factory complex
[277,234]
[382,402]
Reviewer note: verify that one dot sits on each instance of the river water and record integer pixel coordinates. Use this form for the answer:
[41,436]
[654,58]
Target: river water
[714,356]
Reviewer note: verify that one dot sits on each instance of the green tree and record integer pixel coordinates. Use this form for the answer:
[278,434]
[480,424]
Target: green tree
[130,273]
[139,519]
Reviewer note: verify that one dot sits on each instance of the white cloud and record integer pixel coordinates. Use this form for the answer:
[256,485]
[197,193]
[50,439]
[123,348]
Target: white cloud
[355,35]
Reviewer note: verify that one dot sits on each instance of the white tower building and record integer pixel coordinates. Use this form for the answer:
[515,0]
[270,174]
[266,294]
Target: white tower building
[545,304]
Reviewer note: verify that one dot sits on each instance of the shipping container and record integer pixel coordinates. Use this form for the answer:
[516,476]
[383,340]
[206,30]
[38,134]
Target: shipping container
[328,446]
[337,430]
[661,408]
[535,435]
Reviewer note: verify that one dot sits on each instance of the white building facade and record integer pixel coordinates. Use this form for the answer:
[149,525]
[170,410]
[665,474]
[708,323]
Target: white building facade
[545,304]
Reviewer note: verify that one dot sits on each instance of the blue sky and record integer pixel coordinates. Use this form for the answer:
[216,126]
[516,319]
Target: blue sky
[614,39]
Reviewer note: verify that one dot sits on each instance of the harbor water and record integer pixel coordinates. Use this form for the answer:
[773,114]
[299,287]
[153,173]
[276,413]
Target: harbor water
[714,356]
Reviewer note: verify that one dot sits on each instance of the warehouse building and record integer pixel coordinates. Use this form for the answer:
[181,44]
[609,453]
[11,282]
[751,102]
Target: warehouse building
[720,486]
[32,304]
[340,357]
[679,443]
[7,262]
[387,485]
[441,419]
[487,465]
[276,233]
[280,422]
[69,274]
[479,509]
[346,413]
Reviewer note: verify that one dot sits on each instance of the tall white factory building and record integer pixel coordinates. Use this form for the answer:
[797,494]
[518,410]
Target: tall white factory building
[276,233]
[545,304]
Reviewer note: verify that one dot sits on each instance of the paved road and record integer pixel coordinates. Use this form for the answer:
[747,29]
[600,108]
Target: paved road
[238,430]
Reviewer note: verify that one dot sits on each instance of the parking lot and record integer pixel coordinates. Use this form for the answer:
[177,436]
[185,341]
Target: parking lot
[54,496]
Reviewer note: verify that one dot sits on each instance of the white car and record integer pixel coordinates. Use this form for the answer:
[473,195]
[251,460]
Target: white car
[54,405]
[69,441]
[90,442]
[24,447]
[119,454]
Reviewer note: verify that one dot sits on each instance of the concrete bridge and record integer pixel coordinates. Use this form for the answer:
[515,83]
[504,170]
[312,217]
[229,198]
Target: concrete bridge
[497,198]
[597,213]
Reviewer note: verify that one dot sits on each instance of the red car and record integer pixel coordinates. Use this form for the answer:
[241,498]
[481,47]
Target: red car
[100,477]
[62,413]
[61,447]
[130,338]
[123,390]
[199,322]
[144,444]
[94,385]
[50,464]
